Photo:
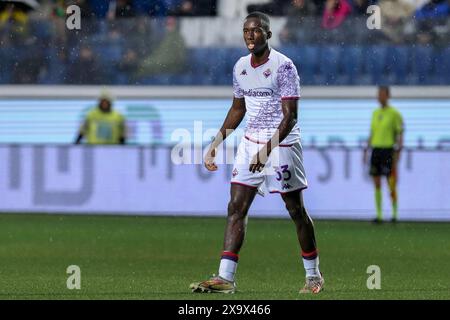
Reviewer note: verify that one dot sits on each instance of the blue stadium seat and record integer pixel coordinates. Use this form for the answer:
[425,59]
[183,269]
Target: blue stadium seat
[6,58]
[423,58]
[99,7]
[351,60]
[328,64]
[155,7]
[442,65]
[446,65]
[199,66]
[183,79]
[306,60]
[398,63]
[108,54]
[375,60]
[293,52]
[41,29]
[122,79]
[233,55]
[55,70]
[218,71]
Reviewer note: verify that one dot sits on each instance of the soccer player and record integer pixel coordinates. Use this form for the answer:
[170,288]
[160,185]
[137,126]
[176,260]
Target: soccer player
[266,88]
[103,125]
[386,142]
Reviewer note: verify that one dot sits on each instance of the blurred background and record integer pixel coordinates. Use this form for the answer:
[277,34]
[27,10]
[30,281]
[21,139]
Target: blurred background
[167,66]
[186,42]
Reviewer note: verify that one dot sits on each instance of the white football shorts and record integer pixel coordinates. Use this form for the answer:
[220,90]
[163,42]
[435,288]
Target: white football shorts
[283,173]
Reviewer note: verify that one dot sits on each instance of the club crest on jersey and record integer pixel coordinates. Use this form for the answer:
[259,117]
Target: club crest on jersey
[267,73]
[244,72]
[235,172]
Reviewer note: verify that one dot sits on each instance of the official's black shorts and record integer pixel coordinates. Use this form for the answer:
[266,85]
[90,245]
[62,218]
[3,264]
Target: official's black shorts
[381,161]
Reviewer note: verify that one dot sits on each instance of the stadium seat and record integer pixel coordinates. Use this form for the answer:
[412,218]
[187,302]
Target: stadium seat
[351,60]
[447,65]
[375,59]
[109,54]
[423,58]
[154,8]
[293,52]
[218,71]
[122,79]
[99,7]
[305,59]
[328,64]
[236,53]
[442,65]
[398,64]
[232,56]
[199,66]
[6,58]
[41,29]
[55,69]
[183,79]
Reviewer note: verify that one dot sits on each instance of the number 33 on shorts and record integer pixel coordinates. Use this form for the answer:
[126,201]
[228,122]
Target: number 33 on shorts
[283,173]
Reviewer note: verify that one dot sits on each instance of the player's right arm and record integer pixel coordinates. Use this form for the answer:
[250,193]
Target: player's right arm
[231,122]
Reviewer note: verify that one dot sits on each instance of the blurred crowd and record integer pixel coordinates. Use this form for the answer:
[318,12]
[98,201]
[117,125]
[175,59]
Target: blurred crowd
[131,41]
[402,21]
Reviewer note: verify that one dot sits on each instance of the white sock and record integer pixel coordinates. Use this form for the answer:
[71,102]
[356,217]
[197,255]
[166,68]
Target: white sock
[227,269]
[311,267]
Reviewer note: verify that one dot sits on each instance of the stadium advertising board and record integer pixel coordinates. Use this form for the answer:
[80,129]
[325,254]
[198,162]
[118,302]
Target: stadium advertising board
[143,180]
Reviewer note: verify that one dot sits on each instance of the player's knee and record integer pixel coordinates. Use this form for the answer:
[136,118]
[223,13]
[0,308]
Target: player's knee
[237,209]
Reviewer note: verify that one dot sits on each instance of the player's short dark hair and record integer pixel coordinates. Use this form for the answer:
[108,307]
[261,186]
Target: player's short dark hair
[385,88]
[264,18]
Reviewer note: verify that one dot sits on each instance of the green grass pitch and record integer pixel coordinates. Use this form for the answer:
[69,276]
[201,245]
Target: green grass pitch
[158,257]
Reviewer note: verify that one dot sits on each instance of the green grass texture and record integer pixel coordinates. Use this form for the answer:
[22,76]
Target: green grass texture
[156,258]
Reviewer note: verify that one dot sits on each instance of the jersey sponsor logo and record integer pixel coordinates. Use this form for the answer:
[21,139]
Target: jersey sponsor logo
[258,92]
[244,72]
[267,73]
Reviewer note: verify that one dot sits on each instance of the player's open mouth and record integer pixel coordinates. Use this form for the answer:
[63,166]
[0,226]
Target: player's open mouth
[251,46]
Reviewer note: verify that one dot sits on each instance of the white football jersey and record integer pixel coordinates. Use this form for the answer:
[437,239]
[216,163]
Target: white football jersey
[263,87]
